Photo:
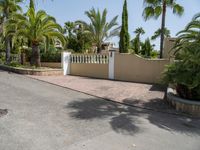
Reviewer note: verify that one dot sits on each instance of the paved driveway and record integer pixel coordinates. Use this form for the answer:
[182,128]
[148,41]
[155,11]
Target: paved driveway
[46,117]
[135,94]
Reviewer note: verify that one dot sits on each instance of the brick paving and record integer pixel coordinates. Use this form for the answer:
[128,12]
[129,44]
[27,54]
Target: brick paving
[136,94]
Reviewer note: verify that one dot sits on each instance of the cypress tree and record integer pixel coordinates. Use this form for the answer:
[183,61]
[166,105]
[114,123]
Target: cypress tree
[124,35]
[32,4]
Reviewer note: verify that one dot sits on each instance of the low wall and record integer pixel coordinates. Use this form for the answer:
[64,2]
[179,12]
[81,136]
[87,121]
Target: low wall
[89,70]
[133,68]
[51,64]
[37,72]
[188,106]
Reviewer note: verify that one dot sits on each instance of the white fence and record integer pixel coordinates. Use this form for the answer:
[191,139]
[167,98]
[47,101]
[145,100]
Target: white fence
[69,59]
[94,59]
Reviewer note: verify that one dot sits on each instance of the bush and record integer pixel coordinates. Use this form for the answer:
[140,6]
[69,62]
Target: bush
[154,54]
[185,73]
[51,56]
[2,57]
[15,64]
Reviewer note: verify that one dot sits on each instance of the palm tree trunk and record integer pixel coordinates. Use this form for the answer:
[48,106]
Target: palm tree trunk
[35,59]
[23,58]
[99,48]
[162,29]
[8,49]
[138,44]
[7,41]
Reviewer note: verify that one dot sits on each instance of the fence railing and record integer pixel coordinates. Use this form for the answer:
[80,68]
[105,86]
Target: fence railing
[93,59]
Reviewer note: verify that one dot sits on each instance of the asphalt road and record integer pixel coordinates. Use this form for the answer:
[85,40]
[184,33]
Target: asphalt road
[42,116]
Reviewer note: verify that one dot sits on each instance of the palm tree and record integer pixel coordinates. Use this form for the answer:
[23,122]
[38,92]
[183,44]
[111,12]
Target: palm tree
[36,27]
[69,28]
[184,74]
[84,41]
[76,37]
[158,32]
[7,7]
[189,35]
[98,28]
[155,8]
[139,31]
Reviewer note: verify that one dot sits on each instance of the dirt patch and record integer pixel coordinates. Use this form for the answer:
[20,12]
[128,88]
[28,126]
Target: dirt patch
[3,112]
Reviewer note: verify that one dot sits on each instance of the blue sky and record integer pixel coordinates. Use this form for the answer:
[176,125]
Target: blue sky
[71,10]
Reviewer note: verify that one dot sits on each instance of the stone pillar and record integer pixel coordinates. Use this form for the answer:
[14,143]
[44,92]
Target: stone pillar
[111,65]
[168,45]
[66,62]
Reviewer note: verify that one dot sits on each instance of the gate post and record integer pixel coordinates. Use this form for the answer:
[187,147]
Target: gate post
[66,62]
[111,67]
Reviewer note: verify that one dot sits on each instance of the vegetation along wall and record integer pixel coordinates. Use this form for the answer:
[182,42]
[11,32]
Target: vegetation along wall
[51,64]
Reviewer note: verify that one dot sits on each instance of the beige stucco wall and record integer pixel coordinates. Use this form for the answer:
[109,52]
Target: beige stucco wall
[51,64]
[89,70]
[168,45]
[130,67]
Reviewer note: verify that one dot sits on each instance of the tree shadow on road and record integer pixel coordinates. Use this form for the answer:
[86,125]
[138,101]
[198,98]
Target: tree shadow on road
[121,118]
[161,114]
[3,112]
[126,119]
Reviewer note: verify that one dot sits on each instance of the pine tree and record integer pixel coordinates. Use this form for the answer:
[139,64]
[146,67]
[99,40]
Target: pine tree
[124,35]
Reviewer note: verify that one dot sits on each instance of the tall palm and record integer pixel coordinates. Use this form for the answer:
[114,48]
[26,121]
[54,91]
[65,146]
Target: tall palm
[36,27]
[99,29]
[7,7]
[139,31]
[158,32]
[155,8]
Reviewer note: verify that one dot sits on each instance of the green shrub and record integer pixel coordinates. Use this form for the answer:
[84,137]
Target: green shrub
[15,64]
[185,73]
[2,58]
[1,61]
[51,56]
[154,54]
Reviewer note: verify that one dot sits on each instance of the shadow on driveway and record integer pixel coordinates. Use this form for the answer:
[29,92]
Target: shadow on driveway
[127,120]
[158,87]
